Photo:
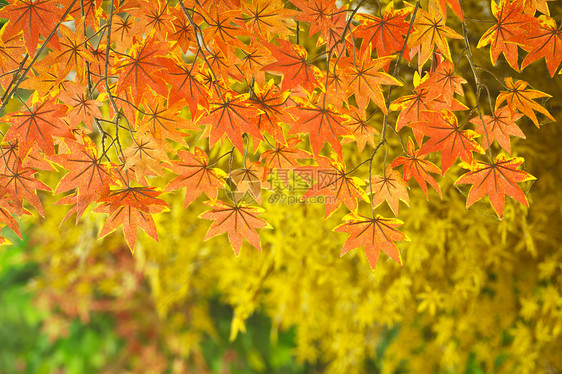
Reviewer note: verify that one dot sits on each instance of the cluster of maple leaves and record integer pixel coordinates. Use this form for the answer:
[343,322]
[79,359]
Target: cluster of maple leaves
[122,90]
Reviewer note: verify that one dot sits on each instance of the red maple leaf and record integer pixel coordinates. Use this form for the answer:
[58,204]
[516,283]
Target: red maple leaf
[6,218]
[508,32]
[384,33]
[83,109]
[318,13]
[266,17]
[545,41]
[429,31]
[373,234]
[238,221]
[443,82]
[34,18]
[365,79]
[446,137]
[292,63]
[417,167]
[360,129]
[142,68]
[322,122]
[283,157]
[231,115]
[496,180]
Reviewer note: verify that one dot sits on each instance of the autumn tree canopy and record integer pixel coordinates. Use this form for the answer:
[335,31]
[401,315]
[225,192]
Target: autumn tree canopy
[241,101]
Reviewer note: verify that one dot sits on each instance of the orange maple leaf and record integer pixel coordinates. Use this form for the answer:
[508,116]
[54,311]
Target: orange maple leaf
[373,234]
[545,41]
[417,167]
[519,97]
[238,221]
[507,33]
[496,180]
[390,187]
[131,207]
[195,173]
[446,137]
[429,31]
[498,127]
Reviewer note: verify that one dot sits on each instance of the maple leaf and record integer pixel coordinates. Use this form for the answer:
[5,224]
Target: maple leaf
[336,31]
[283,157]
[38,125]
[545,41]
[222,27]
[146,155]
[318,13]
[162,120]
[266,17]
[131,207]
[429,31]
[360,130]
[270,103]
[142,67]
[519,97]
[373,234]
[187,84]
[417,167]
[446,137]
[83,109]
[390,187]
[180,30]
[498,127]
[34,159]
[153,15]
[385,33]
[333,181]
[292,63]
[72,52]
[443,82]
[6,208]
[496,180]
[238,221]
[11,50]
[87,174]
[530,7]
[20,183]
[507,33]
[195,173]
[365,79]
[322,123]
[455,6]
[254,57]
[412,107]
[47,81]
[247,183]
[34,18]
[231,115]
[86,11]
[123,31]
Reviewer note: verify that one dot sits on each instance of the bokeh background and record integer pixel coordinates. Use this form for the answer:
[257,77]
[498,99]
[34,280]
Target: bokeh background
[475,294]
